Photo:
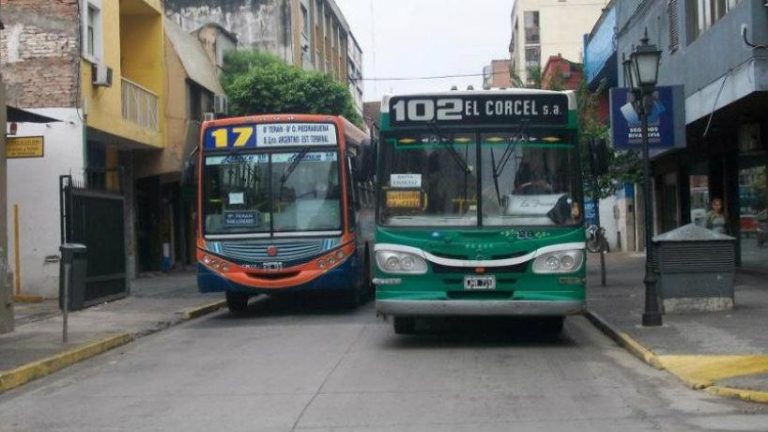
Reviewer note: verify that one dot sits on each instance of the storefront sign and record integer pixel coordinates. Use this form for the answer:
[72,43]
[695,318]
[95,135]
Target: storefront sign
[475,109]
[24,147]
[666,121]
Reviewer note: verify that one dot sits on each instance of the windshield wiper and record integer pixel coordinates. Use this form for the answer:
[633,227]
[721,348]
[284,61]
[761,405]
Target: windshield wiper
[289,170]
[505,157]
[451,150]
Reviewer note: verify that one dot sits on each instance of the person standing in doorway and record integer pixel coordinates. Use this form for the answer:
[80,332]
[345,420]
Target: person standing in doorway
[716,218]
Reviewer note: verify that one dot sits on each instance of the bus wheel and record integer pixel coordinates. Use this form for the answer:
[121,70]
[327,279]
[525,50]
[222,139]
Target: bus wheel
[552,326]
[237,302]
[404,325]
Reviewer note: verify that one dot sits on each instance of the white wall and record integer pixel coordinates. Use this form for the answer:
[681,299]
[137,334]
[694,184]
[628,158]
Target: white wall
[33,184]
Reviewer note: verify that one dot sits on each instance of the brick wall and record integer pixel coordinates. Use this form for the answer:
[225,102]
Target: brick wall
[39,51]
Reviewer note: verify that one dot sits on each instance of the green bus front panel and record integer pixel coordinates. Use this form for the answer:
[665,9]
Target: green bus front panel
[512,282]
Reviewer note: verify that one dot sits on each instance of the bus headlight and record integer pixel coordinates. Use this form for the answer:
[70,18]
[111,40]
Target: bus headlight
[559,262]
[400,262]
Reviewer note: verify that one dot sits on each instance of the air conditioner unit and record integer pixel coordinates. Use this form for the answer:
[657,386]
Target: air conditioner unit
[209,116]
[220,104]
[101,75]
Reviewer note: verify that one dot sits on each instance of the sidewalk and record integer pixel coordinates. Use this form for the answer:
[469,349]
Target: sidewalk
[35,348]
[722,353]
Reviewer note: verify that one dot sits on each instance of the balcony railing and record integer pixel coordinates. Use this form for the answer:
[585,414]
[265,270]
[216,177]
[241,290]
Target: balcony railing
[139,105]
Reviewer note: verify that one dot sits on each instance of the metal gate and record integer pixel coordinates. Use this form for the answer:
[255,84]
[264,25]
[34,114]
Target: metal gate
[92,213]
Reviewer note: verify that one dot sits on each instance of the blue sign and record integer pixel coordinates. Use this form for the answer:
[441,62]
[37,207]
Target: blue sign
[666,121]
[242,218]
[590,216]
[600,46]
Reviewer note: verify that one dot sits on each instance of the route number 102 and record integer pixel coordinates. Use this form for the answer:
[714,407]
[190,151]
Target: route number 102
[425,110]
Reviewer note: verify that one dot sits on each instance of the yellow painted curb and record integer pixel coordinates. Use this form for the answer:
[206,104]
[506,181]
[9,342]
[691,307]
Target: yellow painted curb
[626,341]
[702,371]
[38,369]
[746,395]
[199,311]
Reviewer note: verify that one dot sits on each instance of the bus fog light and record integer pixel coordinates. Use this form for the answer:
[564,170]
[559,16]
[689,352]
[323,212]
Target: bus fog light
[331,261]
[321,264]
[207,260]
[339,255]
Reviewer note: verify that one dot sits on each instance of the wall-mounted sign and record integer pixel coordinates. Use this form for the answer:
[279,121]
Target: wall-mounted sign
[24,147]
[485,109]
[666,122]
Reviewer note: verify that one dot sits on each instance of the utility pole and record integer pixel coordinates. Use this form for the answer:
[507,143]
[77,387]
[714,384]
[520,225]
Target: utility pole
[6,297]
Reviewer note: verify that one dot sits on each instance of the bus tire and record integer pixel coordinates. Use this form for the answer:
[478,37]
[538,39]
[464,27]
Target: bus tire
[237,302]
[404,325]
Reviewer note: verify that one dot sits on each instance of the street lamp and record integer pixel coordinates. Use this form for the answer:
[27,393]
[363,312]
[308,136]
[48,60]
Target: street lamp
[641,72]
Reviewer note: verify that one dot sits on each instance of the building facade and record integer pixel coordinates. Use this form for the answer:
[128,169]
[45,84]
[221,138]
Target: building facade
[310,34]
[545,28]
[498,74]
[101,69]
[725,151]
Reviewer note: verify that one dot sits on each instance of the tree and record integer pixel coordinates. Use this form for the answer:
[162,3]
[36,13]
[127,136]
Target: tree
[623,166]
[259,83]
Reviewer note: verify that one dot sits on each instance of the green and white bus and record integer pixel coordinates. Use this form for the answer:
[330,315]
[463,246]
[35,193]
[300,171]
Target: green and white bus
[479,207]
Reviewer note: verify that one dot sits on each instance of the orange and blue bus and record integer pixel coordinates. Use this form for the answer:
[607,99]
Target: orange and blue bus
[285,205]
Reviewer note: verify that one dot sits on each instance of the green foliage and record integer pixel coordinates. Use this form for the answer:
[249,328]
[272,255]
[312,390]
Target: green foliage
[623,166]
[258,83]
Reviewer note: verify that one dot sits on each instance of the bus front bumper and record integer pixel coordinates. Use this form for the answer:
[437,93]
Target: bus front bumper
[479,308]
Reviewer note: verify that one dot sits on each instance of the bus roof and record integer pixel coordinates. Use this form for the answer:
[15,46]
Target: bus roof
[459,93]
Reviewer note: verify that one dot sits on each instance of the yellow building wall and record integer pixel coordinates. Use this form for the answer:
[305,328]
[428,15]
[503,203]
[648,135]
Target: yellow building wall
[172,158]
[140,61]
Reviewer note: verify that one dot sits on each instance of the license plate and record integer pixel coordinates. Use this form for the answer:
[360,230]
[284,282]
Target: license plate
[480,282]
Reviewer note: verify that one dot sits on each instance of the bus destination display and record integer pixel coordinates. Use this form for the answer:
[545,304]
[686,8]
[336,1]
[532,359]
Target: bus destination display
[497,109]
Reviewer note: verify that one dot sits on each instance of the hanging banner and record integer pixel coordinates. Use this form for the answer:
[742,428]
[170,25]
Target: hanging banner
[666,121]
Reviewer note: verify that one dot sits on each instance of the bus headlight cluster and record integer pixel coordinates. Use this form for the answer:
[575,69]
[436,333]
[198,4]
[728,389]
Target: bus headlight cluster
[400,262]
[331,259]
[559,262]
[215,263]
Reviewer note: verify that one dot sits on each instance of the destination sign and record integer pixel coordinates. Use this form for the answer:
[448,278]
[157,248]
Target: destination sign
[485,109]
[270,135]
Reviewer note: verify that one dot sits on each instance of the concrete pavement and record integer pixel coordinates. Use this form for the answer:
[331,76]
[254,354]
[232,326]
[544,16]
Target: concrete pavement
[35,348]
[724,353]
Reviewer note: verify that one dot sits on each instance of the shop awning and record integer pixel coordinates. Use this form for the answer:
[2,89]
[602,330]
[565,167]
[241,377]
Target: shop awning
[18,115]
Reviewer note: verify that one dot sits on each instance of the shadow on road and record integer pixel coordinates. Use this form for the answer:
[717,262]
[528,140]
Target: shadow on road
[480,332]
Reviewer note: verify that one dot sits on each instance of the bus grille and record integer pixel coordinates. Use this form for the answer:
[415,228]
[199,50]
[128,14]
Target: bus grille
[292,251]
[442,269]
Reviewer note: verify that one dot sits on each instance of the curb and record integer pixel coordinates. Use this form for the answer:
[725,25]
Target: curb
[197,312]
[650,358]
[745,395]
[625,341]
[38,369]
[21,375]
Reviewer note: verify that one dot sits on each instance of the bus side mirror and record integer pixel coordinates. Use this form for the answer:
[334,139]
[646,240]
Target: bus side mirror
[598,152]
[366,161]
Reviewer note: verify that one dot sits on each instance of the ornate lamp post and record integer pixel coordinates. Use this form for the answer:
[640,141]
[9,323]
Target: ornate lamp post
[641,73]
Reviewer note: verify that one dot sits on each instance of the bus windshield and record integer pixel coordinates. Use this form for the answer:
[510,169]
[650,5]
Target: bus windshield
[275,192]
[525,179]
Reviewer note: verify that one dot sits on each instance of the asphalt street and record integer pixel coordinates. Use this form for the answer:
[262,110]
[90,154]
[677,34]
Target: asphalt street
[286,367]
